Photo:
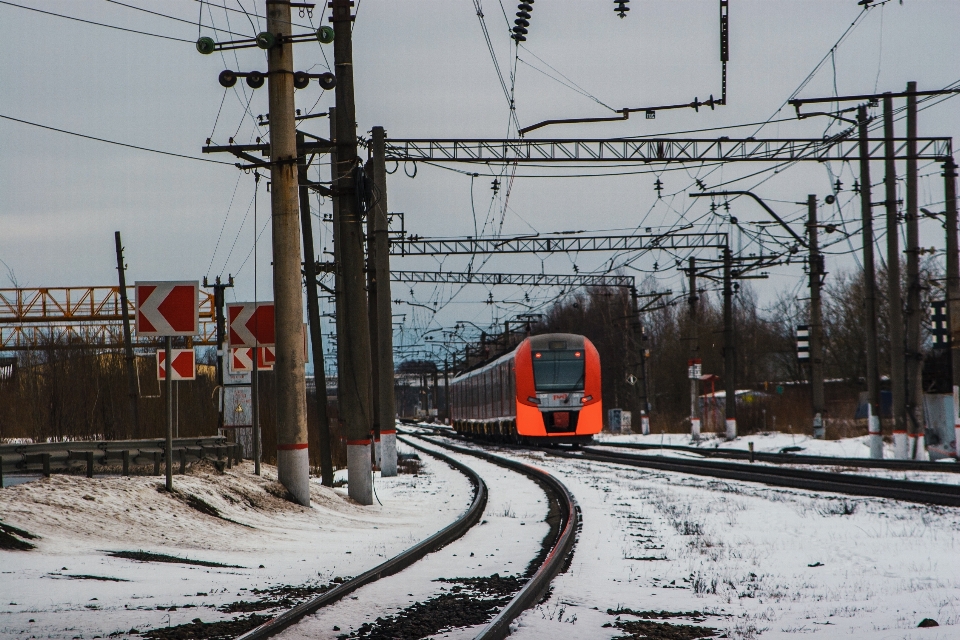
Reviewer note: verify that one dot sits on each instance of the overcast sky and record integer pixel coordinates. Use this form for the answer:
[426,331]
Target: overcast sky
[423,70]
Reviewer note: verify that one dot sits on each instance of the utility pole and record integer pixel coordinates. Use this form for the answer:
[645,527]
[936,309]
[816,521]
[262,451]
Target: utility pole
[641,364]
[953,285]
[914,357]
[313,315]
[694,349]
[816,319]
[168,389]
[387,404]
[897,374]
[338,265]
[293,459]
[729,349]
[869,292]
[355,340]
[372,303]
[127,341]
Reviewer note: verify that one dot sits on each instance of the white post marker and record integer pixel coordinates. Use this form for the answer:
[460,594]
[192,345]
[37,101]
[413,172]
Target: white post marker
[167,309]
[731,428]
[695,428]
[876,438]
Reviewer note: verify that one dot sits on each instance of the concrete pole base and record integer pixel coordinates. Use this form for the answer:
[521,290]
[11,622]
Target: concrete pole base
[388,450]
[645,424]
[359,473]
[293,472]
[900,450]
[731,428]
[377,453]
[876,439]
[819,432]
[956,439]
[695,428]
[917,447]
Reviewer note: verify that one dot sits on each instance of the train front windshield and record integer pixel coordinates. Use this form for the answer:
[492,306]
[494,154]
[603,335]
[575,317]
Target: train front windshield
[558,370]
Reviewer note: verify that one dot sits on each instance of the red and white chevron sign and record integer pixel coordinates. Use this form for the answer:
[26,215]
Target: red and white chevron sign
[183,365]
[241,359]
[167,309]
[251,324]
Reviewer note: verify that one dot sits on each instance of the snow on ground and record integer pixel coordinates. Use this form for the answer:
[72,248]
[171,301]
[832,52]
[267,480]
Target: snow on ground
[755,561]
[506,540]
[69,587]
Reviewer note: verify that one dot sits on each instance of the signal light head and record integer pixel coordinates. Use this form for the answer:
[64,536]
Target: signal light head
[266,40]
[325,34]
[537,355]
[206,45]
[301,80]
[227,78]
[327,81]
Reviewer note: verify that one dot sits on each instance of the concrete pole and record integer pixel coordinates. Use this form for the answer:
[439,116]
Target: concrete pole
[953,286]
[729,348]
[898,385]
[694,348]
[127,341]
[168,388]
[337,276]
[313,315]
[355,341]
[816,319]
[869,293]
[914,313]
[385,379]
[293,459]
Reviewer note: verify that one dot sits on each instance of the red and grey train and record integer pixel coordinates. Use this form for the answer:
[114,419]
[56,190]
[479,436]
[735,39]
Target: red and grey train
[547,389]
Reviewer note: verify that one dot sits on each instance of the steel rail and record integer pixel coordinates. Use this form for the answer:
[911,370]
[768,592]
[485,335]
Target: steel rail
[562,546]
[794,458]
[850,484]
[399,562]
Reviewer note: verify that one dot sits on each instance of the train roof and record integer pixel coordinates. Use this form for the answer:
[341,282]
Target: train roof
[540,342]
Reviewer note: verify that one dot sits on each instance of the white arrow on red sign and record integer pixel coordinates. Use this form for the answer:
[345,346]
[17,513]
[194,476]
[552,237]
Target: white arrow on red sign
[251,324]
[167,309]
[241,359]
[183,364]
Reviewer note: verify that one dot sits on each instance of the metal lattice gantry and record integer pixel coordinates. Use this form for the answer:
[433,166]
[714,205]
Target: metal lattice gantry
[32,318]
[521,279]
[414,245]
[844,147]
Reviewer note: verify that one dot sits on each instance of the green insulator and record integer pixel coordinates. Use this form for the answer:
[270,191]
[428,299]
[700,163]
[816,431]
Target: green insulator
[206,45]
[266,40]
[325,34]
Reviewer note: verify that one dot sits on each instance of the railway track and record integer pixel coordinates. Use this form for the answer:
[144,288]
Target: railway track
[849,484]
[556,547]
[794,458]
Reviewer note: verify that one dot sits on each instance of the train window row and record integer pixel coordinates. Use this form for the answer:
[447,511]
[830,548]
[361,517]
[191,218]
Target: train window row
[486,394]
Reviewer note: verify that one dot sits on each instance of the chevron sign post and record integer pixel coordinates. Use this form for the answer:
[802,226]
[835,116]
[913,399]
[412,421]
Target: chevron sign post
[167,309]
[183,364]
[251,324]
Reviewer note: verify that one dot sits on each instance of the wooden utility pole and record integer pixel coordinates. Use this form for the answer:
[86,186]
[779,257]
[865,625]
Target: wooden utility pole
[897,375]
[729,349]
[218,304]
[869,292]
[293,460]
[354,343]
[816,319]
[127,341]
[694,348]
[914,314]
[953,285]
[372,303]
[337,274]
[387,404]
[313,315]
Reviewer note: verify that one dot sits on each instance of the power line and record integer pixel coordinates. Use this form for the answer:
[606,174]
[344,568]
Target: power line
[163,15]
[119,144]
[99,24]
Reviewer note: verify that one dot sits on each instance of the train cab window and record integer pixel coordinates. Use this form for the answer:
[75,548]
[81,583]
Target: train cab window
[558,370]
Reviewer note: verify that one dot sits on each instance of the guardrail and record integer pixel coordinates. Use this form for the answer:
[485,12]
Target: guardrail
[52,457]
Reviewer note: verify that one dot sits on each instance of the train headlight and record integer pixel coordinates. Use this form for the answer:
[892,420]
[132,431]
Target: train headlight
[586,399]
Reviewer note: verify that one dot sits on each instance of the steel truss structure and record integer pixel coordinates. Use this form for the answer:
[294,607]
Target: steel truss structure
[36,318]
[659,150]
[414,245]
[521,279]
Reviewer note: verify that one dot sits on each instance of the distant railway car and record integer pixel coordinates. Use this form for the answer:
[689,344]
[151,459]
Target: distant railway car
[547,389]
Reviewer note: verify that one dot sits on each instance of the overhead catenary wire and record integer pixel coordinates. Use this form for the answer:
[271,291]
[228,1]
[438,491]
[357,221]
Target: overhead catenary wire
[98,24]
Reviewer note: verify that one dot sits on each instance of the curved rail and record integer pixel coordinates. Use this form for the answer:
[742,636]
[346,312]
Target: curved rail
[794,458]
[438,540]
[850,484]
[560,547]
